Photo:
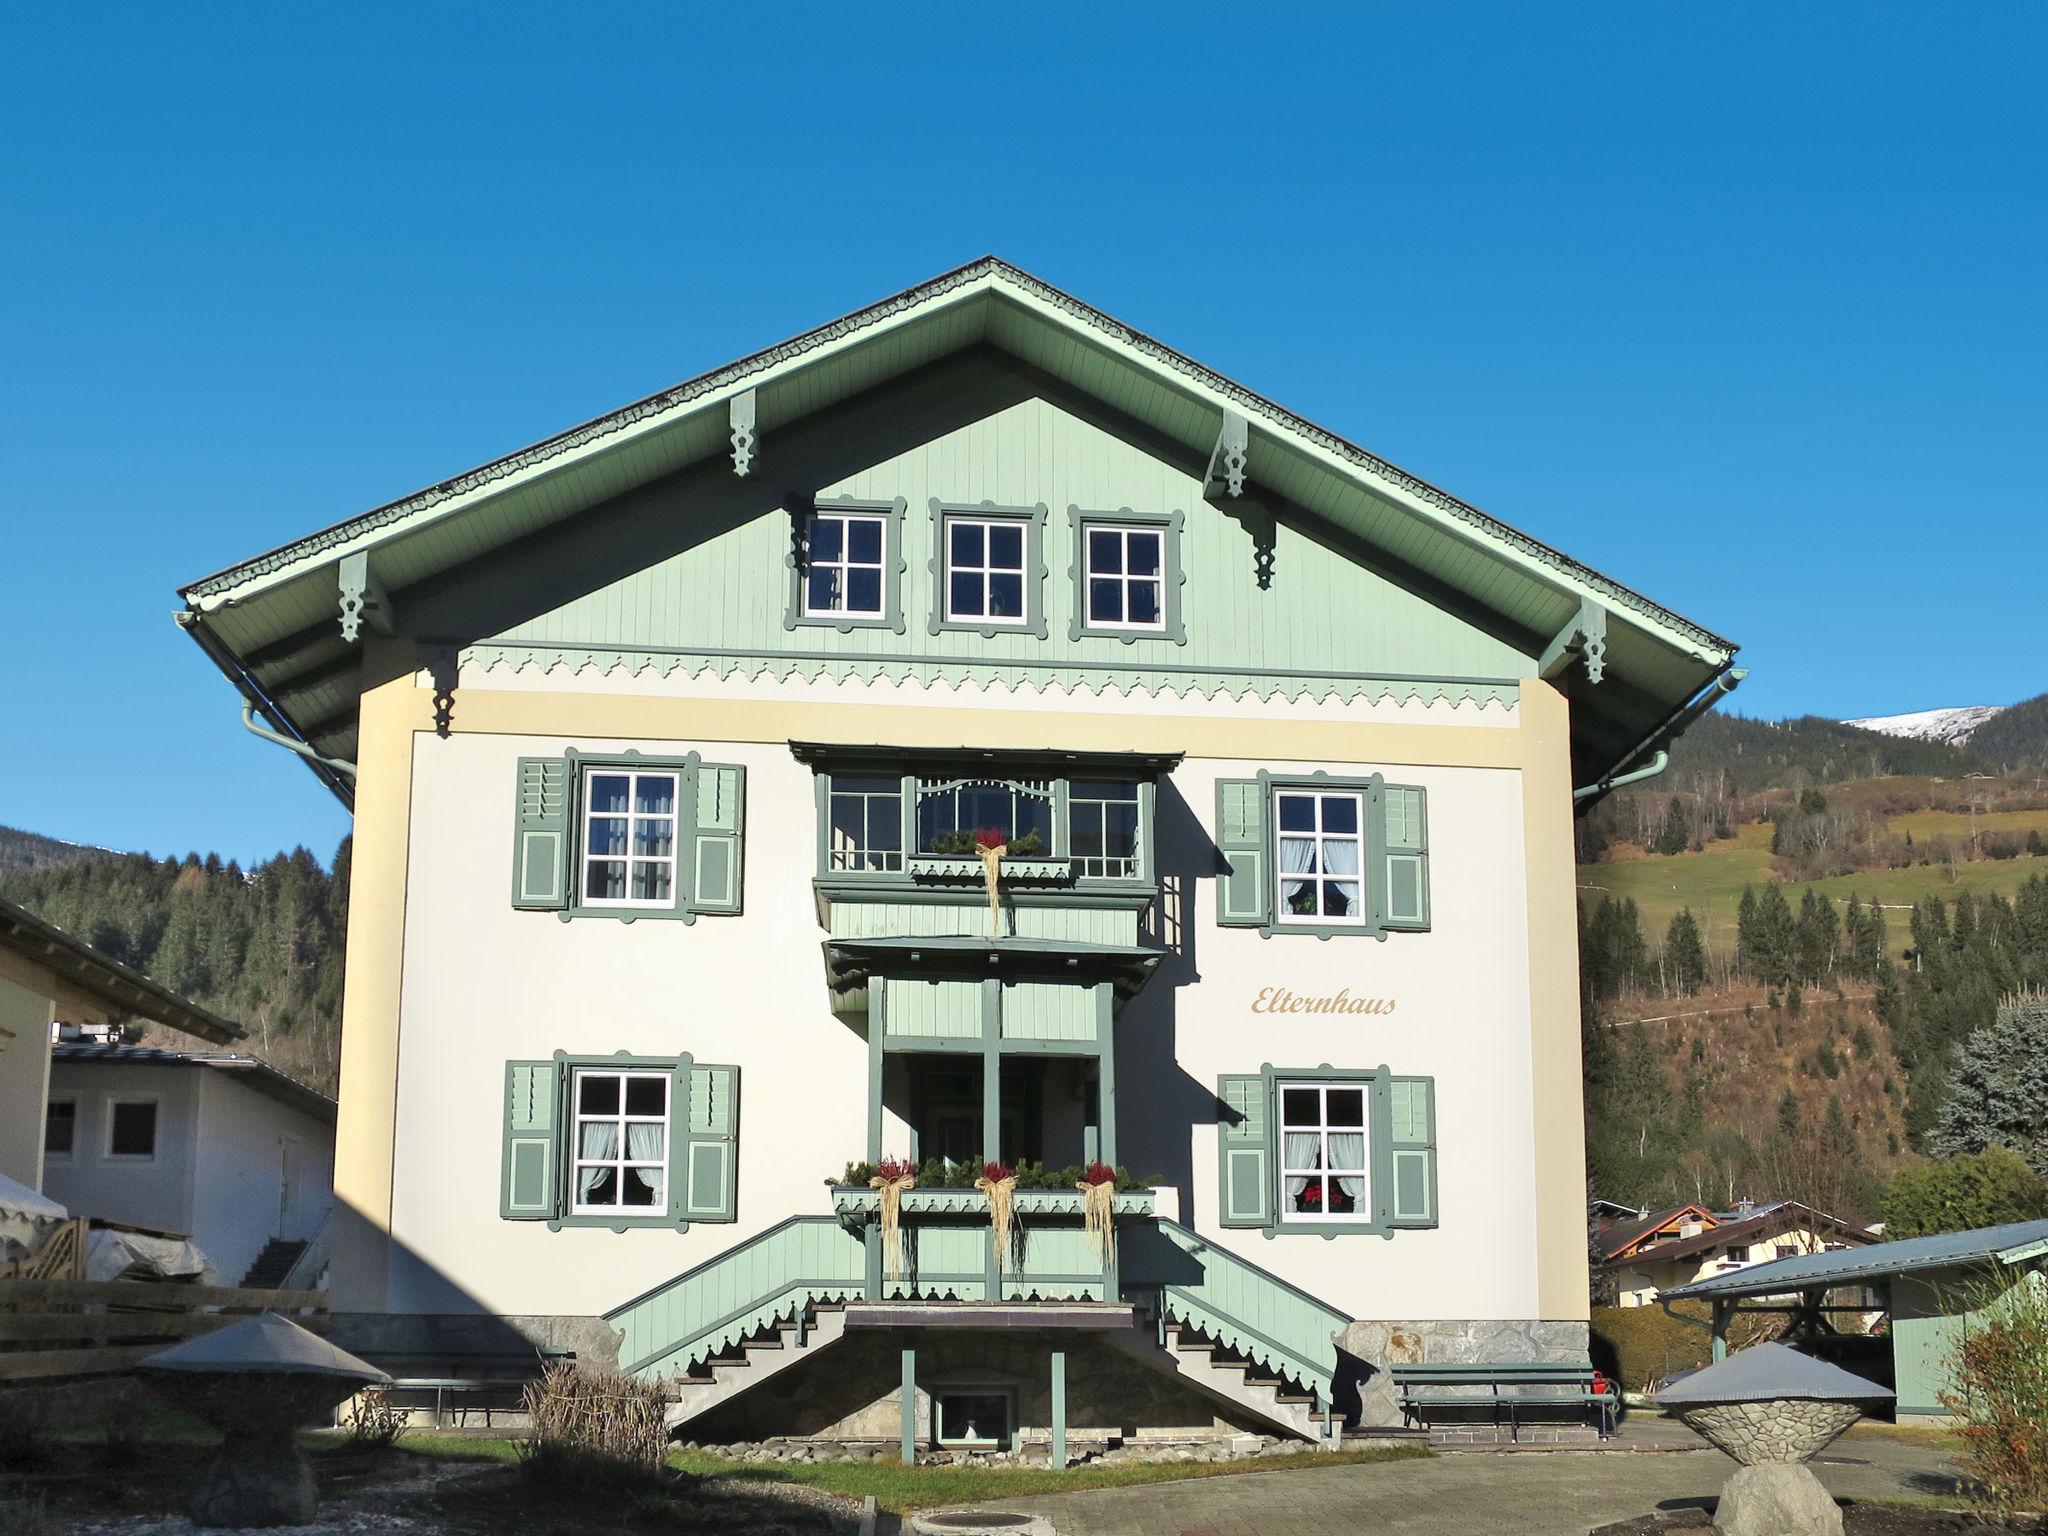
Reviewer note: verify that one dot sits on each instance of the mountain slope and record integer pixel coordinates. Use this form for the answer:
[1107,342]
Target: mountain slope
[32,850]
[1753,755]
[2016,734]
[1957,726]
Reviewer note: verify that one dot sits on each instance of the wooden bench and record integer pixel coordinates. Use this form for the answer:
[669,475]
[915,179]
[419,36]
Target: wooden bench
[496,1385]
[1533,1386]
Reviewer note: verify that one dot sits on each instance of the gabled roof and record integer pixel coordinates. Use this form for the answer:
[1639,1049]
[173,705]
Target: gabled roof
[1624,1236]
[257,1075]
[271,622]
[1788,1217]
[2015,1243]
[117,988]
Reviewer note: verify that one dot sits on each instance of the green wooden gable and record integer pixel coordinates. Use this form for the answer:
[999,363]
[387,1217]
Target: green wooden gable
[662,535]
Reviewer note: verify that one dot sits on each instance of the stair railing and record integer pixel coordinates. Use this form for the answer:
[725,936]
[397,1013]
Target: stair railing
[772,1278]
[1236,1303]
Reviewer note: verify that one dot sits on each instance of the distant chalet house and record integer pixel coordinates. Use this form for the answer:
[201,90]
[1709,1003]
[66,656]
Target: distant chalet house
[672,743]
[52,981]
[1683,1248]
[213,1144]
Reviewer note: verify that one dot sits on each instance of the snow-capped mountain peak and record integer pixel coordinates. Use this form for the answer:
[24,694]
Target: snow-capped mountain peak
[1954,726]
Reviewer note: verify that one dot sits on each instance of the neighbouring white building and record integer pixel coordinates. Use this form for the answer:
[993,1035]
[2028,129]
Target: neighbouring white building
[675,743]
[211,1144]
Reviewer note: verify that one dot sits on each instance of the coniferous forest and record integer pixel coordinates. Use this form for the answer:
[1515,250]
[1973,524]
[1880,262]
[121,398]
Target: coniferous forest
[261,946]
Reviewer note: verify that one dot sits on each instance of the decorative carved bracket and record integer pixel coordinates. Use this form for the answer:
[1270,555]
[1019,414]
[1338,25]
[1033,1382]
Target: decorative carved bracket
[363,599]
[743,436]
[1227,459]
[443,665]
[1583,639]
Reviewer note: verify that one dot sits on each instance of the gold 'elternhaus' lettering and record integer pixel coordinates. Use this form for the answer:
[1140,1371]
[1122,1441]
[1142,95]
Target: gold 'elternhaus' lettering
[1282,1000]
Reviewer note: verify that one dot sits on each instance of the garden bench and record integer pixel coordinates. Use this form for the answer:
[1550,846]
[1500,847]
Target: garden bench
[1534,1386]
[481,1382]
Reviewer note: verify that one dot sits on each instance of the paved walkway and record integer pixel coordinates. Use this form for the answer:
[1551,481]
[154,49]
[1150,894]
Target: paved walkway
[1519,1493]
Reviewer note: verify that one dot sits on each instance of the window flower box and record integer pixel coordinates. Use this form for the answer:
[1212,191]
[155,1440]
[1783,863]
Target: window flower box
[968,870]
[854,1201]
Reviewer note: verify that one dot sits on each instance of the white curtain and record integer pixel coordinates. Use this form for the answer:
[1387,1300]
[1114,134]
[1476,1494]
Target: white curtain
[644,1145]
[1297,857]
[1301,1152]
[598,1139]
[1341,858]
[1347,1150]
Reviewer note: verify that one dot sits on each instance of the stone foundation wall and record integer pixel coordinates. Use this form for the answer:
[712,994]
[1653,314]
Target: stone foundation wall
[852,1392]
[1366,1351]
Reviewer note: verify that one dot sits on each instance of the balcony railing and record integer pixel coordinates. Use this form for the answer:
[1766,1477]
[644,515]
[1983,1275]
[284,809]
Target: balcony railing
[949,1245]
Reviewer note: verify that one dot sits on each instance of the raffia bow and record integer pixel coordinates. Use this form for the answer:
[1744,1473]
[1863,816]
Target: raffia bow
[1002,1214]
[991,869]
[1098,1216]
[892,1212]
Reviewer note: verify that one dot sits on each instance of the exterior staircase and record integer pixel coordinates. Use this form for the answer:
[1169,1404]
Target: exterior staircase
[1221,1325]
[273,1264]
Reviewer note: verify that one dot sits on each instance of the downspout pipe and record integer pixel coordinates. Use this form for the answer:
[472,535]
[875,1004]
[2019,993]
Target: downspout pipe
[254,728]
[1656,766]
[1723,683]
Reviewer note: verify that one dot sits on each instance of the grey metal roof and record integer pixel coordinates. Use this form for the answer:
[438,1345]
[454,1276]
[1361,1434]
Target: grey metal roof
[1856,1266]
[259,1075]
[1769,1371]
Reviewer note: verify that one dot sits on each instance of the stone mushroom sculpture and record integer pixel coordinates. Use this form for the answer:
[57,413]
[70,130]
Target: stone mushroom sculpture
[1773,1409]
[257,1381]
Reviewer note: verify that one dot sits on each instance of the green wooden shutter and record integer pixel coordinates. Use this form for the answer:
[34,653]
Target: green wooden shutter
[1404,845]
[540,834]
[1243,894]
[715,872]
[528,1188]
[1244,1142]
[1411,1134]
[711,1144]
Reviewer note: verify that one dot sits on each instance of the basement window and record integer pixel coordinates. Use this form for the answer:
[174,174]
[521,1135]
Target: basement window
[977,1420]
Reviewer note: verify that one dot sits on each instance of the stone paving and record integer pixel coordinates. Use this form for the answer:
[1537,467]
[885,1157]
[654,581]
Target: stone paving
[1529,1493]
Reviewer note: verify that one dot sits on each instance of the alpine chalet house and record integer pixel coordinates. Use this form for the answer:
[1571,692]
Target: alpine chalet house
[973,736]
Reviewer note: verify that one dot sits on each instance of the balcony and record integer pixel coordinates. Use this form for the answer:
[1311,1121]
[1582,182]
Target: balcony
[949,1246]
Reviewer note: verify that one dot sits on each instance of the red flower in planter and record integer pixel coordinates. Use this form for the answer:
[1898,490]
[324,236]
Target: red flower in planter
[1099,1173]
[990,837]
[891,1170]
[995,1173]
[1313,1196]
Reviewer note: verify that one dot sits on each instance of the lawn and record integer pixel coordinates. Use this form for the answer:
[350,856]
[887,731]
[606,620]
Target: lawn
[900,1489]
[1711,882]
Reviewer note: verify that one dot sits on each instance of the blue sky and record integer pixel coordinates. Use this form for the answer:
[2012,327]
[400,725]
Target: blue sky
[1743,305]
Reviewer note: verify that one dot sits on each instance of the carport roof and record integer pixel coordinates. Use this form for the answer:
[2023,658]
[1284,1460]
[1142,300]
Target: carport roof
[2008,1244]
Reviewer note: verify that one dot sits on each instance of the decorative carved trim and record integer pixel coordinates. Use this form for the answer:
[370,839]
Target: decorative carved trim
[743,436]
[1227,459]
[354,580]
[444,665]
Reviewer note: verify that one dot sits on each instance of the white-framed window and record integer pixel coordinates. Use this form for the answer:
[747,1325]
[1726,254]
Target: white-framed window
[985,570]
[622,1130]
[843,565]
[131,1130]
[1323,1173]
[1321,840]
[1103,817]
[974,1418]
[629,837]
[1126,577]
[867,823]
[60,1128]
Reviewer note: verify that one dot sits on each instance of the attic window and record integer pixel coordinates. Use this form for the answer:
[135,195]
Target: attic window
[843,565]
